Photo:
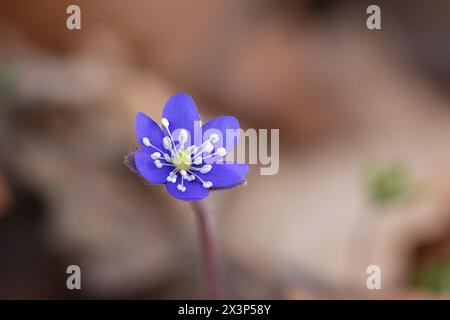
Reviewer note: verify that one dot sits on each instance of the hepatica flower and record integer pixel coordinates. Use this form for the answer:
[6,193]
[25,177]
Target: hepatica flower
[185,155]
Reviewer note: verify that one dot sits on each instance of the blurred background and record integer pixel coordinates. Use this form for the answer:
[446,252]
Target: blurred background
[364,119]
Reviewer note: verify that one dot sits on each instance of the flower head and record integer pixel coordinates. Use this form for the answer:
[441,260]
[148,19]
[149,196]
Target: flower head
[184,155]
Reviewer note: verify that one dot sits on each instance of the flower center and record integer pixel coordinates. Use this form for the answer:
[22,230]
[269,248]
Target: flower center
[182,159]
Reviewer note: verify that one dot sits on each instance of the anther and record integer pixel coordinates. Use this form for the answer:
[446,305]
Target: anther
[214,138]
[165,122]
[207,184]
[146,141]
[221,152]
[182,138]
[193,149]
[181,188]
[155,155]
[208,146]
[206,168]
[167,143]
[158,164]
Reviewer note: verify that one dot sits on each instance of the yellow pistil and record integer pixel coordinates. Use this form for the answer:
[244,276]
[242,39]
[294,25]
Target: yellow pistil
[182,159]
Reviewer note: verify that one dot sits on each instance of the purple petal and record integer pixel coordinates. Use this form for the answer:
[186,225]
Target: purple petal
[225,127]
[194,191]
[146,168]
[182,113]
[147,128]
[226,175]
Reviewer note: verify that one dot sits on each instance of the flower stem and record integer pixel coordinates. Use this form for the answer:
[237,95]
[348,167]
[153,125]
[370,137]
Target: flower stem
[209,250]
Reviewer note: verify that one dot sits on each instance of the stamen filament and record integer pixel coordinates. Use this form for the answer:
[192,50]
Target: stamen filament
[166,125]
[221,152]
[205,169]
[168,164]
[200,149]
[147,143]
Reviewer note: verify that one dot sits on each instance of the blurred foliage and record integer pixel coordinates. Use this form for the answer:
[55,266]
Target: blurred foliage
[434,276]
[389,184]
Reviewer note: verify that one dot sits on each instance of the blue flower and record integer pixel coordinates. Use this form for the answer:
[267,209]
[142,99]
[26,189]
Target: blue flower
[184,155]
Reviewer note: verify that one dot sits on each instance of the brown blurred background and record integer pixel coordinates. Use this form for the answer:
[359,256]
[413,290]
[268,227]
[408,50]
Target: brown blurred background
[364,119]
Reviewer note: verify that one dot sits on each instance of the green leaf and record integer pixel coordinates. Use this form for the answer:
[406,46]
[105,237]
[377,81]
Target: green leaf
[389,184]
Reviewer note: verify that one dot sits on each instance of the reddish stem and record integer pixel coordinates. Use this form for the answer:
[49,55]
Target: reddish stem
[209,251]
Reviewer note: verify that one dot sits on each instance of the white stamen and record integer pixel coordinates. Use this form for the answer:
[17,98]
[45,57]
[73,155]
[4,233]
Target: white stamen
[167,157]
[196,176]
[193,149]
[172,177]
[214,138]
[207,184]
[183,173]
[167,143]
[198,160]
[204,147]
[158,164]
[208,146]
[206,168]
[146,141]
[165,124]
[221,152]
[181,186]
[155,155]
[182,138]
